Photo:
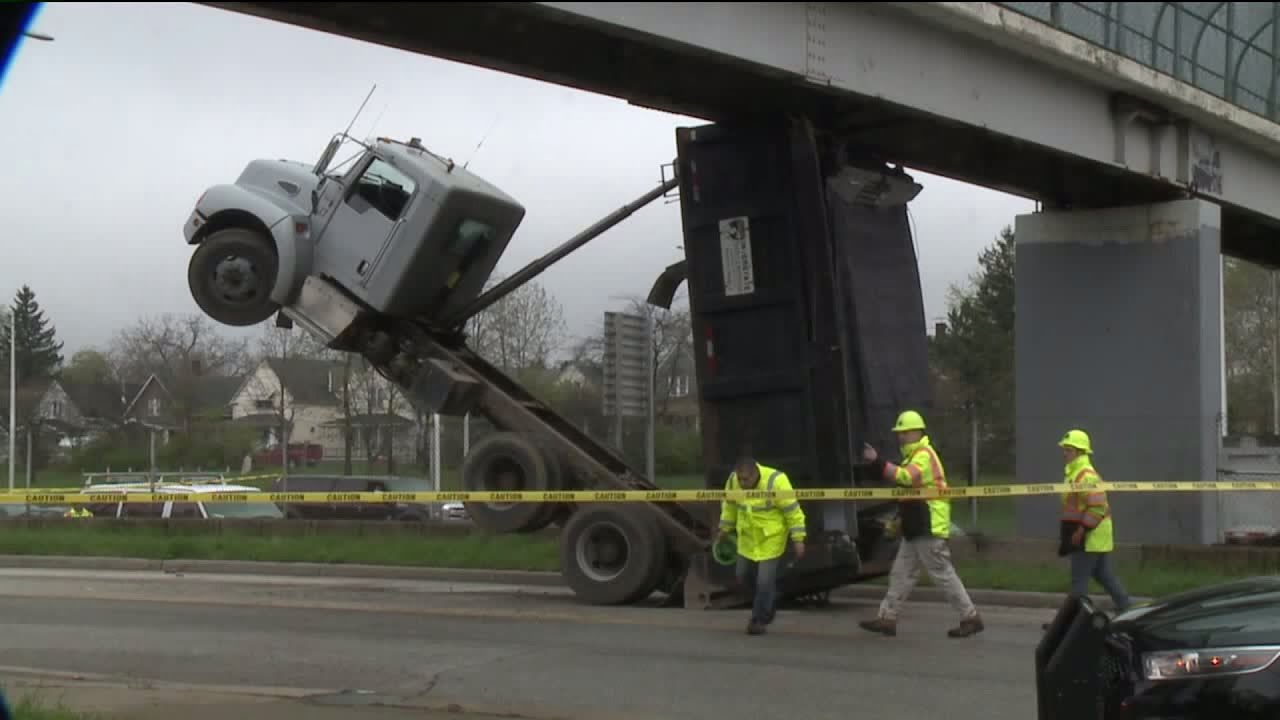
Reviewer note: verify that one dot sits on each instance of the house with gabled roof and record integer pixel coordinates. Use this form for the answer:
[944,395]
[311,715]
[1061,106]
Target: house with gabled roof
[171,404]
[80,410]
[311,391]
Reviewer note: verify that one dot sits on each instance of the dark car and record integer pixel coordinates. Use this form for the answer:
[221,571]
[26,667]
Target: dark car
[1205,654]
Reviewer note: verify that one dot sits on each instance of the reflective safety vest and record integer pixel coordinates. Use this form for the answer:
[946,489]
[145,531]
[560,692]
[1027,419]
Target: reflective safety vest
[1089,507]
[763,525]
[78,512]
[921,467]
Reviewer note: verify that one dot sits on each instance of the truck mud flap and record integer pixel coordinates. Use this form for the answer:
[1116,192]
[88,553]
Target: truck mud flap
[1068,664]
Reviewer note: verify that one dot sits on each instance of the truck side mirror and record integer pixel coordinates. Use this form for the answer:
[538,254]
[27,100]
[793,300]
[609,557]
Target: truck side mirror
[327,156]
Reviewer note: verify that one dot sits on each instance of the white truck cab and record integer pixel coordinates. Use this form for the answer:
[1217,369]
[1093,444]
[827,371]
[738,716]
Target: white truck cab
[400,233]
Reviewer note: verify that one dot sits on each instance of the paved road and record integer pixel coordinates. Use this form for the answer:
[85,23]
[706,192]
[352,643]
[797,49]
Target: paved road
[530,652]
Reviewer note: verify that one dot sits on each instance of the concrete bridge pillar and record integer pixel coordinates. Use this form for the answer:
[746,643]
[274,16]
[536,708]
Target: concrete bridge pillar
[1118,333]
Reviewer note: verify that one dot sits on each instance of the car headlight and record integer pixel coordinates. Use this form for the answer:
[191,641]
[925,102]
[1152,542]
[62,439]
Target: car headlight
[1186,664]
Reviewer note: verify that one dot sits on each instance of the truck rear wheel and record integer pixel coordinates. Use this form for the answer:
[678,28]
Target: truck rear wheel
[231,275]
[508,462]
[612,554]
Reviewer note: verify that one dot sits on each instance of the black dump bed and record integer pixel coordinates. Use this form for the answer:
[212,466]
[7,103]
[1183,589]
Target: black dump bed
[808,321]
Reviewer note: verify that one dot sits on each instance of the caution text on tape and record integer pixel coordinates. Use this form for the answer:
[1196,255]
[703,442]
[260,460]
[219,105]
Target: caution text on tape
[89,497]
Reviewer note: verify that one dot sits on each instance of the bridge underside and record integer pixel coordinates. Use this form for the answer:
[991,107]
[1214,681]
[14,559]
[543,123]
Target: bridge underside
[535,41]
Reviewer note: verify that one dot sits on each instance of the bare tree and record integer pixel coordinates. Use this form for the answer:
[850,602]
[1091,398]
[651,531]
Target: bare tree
[378,396]
[277,344]
[179,350]
[521,331]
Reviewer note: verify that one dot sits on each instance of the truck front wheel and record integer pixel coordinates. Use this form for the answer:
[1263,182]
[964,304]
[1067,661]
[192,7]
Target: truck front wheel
[612,554]
[231,275]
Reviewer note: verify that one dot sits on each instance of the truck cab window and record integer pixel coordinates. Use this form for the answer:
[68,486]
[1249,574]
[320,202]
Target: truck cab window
[383,188]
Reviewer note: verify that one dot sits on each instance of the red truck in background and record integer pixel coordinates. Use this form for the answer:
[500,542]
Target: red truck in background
[299,454]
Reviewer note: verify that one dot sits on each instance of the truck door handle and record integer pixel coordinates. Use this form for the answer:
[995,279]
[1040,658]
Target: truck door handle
[362,268]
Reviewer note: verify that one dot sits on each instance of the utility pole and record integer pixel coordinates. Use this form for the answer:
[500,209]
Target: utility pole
[13,397]
[1275,355]
[650,430]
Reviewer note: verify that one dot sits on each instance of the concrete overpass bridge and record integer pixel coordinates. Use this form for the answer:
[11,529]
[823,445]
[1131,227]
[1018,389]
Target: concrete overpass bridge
[1147,131]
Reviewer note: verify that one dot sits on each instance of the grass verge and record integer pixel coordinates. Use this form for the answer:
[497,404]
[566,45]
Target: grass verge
[499,552]
[30,707]
[1055,577]
[502,552]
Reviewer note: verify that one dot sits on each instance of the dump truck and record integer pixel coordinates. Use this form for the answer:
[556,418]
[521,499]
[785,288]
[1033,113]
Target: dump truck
[804,295]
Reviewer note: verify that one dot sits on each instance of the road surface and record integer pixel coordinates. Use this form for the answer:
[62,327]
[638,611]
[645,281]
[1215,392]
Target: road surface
[317,643]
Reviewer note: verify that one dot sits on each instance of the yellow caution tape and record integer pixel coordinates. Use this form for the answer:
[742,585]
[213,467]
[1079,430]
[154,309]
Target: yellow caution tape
[86,497]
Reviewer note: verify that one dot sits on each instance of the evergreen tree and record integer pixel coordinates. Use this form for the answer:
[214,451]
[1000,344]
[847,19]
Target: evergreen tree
[39,352]
[977,350]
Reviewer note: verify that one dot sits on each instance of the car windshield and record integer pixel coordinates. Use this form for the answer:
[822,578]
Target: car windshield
[242,510]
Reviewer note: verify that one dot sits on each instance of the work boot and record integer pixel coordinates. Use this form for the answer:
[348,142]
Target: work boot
[880,625]
[755,628]
[968,626]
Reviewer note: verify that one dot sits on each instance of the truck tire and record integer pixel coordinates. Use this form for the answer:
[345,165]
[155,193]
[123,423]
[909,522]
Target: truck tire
[556,480]
[612,554]
[231,275]
[507,462]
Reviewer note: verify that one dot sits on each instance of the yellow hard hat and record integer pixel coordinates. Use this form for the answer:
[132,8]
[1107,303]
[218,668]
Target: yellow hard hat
[1076,439]
[909,420]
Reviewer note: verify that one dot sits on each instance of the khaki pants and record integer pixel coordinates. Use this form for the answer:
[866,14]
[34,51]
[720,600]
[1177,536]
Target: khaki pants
[935,556]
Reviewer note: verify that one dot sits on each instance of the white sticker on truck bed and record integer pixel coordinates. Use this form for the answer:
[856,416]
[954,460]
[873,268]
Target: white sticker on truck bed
[735,256]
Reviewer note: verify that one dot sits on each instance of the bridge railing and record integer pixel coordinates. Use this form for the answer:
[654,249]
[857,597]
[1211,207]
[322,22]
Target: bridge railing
[1227,49]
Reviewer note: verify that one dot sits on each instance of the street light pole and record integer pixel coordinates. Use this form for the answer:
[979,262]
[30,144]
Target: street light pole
[13,361]
[13,398]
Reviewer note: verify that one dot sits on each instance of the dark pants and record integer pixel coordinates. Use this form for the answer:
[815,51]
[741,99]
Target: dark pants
[1086,566]
[762,577]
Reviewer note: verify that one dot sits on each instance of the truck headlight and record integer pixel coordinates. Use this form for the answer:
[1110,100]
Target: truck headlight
[1215,662]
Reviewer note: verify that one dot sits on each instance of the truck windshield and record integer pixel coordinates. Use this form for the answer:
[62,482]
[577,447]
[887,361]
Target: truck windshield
[242,510]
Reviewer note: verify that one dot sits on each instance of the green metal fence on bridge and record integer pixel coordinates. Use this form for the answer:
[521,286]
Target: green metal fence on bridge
[1227,49]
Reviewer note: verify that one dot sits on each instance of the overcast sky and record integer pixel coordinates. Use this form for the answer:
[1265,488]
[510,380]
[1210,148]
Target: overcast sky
[113,131]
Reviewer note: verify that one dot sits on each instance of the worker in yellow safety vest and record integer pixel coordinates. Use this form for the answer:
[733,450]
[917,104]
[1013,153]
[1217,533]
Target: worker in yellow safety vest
[763,527]
[926,529]
[78,512]
[1086,525]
